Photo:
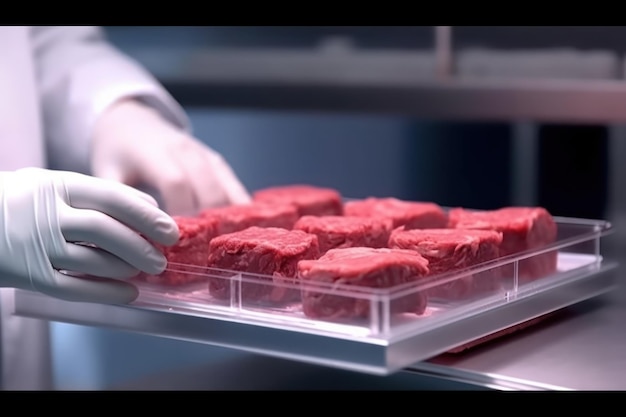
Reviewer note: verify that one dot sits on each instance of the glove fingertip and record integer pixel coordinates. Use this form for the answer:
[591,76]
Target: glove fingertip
[127,294]
[118,293]
[158,266]
[237,192]
[164,231]
[243,198]
[169,233]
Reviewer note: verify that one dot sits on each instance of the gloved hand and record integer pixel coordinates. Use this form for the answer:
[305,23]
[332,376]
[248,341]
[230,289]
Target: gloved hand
[52,221]
[134,145]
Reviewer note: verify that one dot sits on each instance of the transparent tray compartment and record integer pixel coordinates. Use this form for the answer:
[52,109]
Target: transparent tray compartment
[383,314]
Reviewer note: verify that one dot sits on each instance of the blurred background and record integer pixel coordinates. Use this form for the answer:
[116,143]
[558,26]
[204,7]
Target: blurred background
[363,110]
[387,151]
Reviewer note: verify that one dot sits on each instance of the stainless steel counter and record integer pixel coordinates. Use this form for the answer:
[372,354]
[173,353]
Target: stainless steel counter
[582,348]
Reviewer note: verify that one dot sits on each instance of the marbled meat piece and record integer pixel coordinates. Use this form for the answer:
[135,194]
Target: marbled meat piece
[187,258]
[449,250]
[360,267]
[410,214]
[241,216]
[346,231]
[271,252]
[309,200]
[522,228]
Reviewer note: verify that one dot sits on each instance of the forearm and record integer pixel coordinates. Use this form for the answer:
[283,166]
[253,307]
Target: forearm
[81,75]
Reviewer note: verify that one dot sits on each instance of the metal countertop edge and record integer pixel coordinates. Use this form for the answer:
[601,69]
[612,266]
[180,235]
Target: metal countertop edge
[486,380]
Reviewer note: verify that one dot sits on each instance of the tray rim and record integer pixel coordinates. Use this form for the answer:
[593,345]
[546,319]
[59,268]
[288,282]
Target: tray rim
[600,228]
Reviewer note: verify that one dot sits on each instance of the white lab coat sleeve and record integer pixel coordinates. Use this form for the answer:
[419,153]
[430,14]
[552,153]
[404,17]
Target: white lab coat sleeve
[79,74]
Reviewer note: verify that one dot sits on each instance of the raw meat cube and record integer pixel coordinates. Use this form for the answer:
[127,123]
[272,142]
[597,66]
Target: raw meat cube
[449,250]
[241,216]
[310,200]
[269,251]
[410,214]
[360,267]
[189,254]
[346,231]
[523,228]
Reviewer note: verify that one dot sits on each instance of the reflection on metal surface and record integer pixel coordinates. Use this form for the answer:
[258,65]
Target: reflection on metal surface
[488,380]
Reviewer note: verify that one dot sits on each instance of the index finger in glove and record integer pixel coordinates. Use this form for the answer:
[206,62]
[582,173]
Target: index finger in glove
[124,204]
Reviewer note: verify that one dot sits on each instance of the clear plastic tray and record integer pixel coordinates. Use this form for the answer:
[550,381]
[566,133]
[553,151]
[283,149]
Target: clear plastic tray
[381,342]
[382,316]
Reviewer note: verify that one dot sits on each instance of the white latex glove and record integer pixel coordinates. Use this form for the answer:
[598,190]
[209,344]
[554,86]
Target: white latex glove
[47,217]
[134,145]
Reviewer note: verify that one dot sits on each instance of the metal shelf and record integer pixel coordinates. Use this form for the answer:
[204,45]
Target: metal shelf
[450,80]
[558,101]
